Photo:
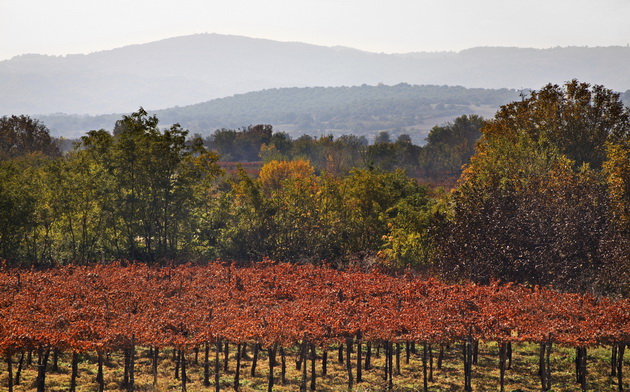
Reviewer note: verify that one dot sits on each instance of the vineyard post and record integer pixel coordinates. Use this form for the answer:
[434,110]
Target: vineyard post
[548,364]
[430,362]
[303,364]
[542,373]
[424,367]
[313,372]
[359,349]
[226,356]
[397,358]
[348,362]
[283,366]
[132,355]
[620,353]
[502,361]
[217,365]
[154,366]
[390,365]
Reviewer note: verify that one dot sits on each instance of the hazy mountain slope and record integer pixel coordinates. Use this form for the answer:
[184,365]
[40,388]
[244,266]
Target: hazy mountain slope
[197,68]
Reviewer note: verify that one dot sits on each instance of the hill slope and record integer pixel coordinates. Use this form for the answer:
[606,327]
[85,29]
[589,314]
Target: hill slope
[362,110]
[197,68]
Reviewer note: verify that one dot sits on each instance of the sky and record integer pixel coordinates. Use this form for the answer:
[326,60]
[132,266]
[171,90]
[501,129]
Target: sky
[59,27]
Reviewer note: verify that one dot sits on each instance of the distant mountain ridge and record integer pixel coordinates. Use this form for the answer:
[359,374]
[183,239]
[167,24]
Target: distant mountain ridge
[197,68]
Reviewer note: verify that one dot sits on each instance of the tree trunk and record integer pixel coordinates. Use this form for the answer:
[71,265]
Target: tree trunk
[237,371]
[206,366]
[182,355]
[10,371]
[55,364]
[19,370]
[300,355]
[154,366]
[340,353]
[272,359]
[100,379]
[440,357]
[178,360]
[578,353]
[42,361]
[226,356]
[407,352]
[255,359]
[368,356]
[583,370]
[613,361]
[502,363]
[348,363]
[324,361]
[75,371]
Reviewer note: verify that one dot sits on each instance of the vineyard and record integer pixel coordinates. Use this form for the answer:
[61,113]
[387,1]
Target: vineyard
[299,310]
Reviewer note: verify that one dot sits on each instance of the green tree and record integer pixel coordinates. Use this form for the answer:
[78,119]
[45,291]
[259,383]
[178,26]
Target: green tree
[155,173]
[22,135]
[578,119]
[17,209]
[450,146]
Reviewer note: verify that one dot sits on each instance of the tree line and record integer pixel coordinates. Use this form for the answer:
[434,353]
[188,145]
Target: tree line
[544,199]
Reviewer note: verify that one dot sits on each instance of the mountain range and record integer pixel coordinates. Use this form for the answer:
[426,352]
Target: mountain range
[192,69]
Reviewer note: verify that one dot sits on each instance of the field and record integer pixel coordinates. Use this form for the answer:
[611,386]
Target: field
[521,377]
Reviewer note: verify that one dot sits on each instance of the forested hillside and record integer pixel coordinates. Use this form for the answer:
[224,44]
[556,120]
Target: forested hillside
[360,111]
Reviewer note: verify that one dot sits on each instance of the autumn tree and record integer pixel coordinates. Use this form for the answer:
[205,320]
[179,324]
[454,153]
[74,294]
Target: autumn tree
[532,206]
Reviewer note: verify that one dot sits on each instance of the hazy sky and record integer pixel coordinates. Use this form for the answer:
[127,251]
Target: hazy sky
[81,26]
